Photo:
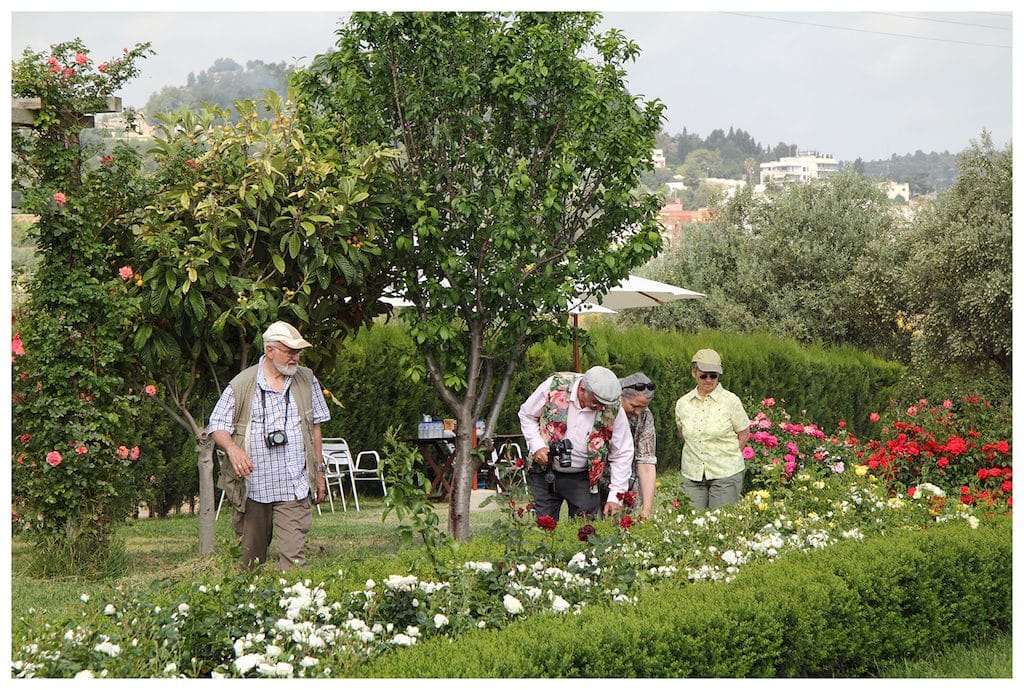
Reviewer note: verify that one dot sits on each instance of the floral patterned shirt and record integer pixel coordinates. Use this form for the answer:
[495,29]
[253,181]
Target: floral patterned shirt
[579,428]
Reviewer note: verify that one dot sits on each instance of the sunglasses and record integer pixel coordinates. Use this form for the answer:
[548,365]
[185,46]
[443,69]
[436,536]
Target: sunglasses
[712,375]
[641,386]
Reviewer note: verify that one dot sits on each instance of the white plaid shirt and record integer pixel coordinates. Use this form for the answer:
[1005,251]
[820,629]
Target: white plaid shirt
[279,473]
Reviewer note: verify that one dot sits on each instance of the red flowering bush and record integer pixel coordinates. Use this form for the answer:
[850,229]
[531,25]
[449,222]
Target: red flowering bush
[940,444]
[952,444]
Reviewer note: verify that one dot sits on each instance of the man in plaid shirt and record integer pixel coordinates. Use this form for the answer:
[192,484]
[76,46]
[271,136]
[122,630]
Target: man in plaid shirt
[267,422]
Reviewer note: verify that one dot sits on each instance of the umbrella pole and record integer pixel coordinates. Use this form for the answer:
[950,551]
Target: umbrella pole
[575,343]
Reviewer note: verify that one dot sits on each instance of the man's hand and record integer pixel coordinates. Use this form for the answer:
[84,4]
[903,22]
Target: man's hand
[240,461]
[541,456]
[611,509]
[321,487]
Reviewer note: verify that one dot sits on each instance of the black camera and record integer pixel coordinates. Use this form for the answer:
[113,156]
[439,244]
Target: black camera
[560,451]
[276,438]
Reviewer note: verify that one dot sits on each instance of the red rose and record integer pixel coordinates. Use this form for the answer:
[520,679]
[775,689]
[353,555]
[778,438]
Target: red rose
[982,473]
[911,491]
[546,523]
[586,531]
[956,445]
[626,522]
[943,462]
[1006,486]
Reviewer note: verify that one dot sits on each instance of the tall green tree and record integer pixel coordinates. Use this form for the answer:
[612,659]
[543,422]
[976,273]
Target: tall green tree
[256,220]
[958,276]
[788,263]
[521,150]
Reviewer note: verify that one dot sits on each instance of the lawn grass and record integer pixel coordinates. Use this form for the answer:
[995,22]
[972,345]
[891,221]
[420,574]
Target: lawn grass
[990,658]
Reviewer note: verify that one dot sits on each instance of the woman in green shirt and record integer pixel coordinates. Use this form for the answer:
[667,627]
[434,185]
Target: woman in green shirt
[714,428]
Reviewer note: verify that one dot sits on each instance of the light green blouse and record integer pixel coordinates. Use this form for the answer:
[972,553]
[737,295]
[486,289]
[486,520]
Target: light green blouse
[709,428]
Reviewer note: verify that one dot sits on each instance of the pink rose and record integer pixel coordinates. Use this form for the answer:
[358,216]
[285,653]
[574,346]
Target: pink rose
[748,453]
[912,410]
[54,64]
[53,458]
[122,452]
[81,58]
[874,416]
[947,404]
[59,198]
[768,402]
[150,389]
[17,349]
[81,450]
[125,272]
[102,67]
[135,453]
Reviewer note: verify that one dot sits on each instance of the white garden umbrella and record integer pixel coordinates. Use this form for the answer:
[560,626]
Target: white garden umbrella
[632,293]
[635,292]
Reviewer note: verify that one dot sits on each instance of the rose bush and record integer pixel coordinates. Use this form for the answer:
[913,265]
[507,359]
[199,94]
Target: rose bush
[71,409]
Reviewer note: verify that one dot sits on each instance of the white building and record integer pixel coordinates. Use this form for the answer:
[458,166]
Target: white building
[658,156]
[803,167]
[896,189]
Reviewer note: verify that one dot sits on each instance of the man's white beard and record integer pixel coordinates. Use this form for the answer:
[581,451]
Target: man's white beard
[286,369]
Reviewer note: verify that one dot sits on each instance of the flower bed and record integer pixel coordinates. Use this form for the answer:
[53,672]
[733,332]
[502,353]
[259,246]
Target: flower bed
[261,625]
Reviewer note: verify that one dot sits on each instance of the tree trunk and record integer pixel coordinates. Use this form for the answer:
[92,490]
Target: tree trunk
[463,480]
[207,511]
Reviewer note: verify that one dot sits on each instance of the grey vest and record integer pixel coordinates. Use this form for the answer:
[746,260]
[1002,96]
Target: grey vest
[236,489]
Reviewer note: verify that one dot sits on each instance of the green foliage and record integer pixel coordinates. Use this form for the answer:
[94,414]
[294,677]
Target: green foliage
[958,275]
[408,497]
[835,612]
[785,264]
[73,476]
[258,221]
[829,384]
[515,188]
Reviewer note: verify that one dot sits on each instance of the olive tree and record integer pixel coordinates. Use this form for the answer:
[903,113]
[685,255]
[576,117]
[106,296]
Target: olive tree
[958,276]
[256,220]
[521,149]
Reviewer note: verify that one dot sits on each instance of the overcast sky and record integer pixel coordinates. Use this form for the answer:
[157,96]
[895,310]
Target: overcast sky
[865,84]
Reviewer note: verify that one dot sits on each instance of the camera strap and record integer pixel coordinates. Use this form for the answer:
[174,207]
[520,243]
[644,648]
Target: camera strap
[263,400]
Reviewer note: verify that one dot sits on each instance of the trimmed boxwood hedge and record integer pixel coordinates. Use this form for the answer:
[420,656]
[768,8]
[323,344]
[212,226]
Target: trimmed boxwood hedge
[831,384]
[835,612]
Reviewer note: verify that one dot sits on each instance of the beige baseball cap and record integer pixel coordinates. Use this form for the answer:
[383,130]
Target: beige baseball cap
[286,334]
[707,360]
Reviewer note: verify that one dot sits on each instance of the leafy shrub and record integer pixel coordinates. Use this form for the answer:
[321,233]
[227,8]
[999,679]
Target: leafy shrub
[834,613]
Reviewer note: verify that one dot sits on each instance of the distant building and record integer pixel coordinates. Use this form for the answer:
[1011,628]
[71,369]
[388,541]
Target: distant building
[803,167]
[673,217]
[728,187]
[895,189]
[658,156]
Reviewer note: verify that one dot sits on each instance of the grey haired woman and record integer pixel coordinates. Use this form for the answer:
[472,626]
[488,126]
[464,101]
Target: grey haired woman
[637,393]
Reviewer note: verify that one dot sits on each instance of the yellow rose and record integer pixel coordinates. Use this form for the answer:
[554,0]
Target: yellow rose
[861,470]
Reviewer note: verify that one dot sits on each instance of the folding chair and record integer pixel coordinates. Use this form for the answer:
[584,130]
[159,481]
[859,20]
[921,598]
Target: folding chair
[338,463]
[368,469]
[508,454]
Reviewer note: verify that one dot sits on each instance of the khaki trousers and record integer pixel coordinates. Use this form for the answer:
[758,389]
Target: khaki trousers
[714,493]
[256,526]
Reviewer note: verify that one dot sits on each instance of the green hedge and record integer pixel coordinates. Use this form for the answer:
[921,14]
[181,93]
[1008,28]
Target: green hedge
[834,612]
[830,384]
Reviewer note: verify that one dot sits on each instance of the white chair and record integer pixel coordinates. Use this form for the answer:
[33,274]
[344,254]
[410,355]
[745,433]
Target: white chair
[507,455]
[340,464]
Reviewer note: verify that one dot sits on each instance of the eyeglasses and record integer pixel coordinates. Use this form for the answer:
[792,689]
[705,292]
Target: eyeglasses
[287,351]
[705,377]
[641,386]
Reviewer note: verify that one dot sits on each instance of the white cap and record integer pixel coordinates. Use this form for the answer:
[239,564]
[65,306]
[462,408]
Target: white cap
[603,384]
[285,333]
